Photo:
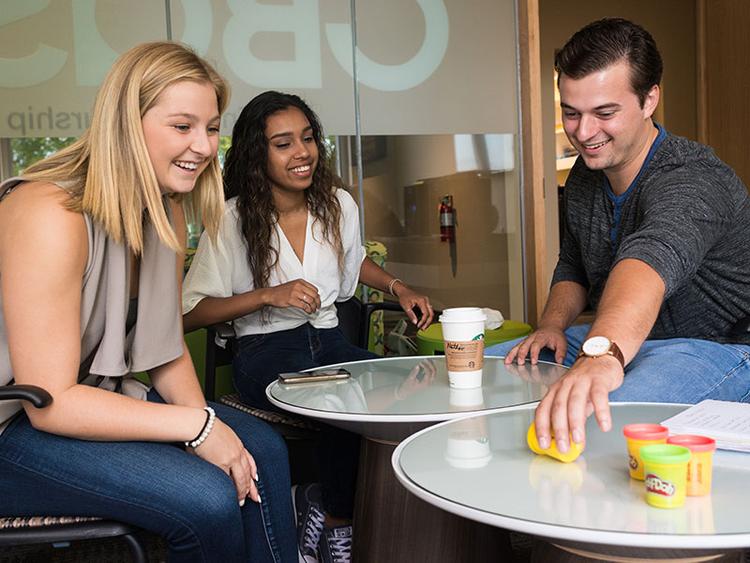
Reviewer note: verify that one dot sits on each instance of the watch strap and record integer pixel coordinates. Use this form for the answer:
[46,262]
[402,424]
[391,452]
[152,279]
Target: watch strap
[614,350]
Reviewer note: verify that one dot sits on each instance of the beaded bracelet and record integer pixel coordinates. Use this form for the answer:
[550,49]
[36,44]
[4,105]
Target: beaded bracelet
[391,284]
[205,431]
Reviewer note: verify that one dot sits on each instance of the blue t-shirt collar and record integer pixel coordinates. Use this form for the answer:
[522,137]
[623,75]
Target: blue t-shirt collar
[617,199]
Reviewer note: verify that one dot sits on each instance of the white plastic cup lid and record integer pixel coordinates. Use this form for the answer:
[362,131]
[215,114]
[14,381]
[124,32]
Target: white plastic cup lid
[462,315]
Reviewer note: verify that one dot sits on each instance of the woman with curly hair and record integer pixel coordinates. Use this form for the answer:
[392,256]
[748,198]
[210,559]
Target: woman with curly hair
[91,255]
[289,248]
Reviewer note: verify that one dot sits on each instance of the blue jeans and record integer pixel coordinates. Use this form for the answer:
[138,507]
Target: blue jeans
[258,360]
[674,370]
[156,486]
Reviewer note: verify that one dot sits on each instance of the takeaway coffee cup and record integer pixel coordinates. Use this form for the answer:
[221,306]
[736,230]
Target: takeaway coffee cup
[463,336]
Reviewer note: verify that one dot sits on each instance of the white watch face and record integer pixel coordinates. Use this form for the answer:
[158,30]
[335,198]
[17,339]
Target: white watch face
[596,346]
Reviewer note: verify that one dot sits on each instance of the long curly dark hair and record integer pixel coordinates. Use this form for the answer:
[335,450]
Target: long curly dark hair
[246,177]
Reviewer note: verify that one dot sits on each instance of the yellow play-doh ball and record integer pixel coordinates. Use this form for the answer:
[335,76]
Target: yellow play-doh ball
[571,455]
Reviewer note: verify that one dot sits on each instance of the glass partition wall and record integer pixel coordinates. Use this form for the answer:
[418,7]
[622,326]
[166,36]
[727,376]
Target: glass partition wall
[478,263]
[444,129]
[419,97]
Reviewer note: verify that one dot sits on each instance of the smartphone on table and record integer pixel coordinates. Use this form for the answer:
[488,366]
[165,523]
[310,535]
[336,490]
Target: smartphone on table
[325,374]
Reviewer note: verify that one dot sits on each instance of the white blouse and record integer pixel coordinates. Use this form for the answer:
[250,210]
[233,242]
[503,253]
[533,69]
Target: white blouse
[222,270]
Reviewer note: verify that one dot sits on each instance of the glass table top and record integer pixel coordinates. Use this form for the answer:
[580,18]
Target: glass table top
[413,388]
[481,468]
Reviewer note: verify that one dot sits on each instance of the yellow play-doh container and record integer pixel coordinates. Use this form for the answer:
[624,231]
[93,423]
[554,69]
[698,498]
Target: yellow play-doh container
[665,474]
[700,467]
[637,436]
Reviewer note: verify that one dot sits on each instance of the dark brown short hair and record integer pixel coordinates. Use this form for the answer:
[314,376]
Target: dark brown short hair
[606,42]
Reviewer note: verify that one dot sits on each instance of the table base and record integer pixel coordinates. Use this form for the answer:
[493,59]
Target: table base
[628,554]
[391,524]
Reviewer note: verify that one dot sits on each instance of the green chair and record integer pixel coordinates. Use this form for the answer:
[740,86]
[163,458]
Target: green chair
[430,340]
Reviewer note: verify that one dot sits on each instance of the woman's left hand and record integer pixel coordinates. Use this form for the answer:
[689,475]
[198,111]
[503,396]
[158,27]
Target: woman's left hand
[408,299]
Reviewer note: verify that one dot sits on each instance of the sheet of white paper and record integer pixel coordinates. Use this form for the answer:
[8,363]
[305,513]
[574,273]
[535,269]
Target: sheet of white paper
[727,422]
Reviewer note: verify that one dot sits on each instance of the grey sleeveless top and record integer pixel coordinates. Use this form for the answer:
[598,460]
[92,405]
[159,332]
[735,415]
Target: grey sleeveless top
[110,352]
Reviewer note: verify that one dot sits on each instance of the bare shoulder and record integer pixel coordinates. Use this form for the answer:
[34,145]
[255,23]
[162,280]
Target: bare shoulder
[34,221]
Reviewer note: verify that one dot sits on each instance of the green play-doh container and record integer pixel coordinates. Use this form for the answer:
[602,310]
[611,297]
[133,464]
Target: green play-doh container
[665,474]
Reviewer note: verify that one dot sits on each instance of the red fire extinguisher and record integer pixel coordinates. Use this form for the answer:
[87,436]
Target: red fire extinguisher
[447,220]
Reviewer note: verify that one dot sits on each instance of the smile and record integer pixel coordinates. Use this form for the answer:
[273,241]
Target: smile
[186,165]
[301,169]
[594,146]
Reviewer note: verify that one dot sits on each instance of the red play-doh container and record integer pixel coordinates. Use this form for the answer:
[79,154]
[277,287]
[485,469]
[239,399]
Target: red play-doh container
[639,435]
[701,462]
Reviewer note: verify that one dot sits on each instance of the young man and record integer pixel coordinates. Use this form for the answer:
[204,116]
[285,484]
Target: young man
[657,242]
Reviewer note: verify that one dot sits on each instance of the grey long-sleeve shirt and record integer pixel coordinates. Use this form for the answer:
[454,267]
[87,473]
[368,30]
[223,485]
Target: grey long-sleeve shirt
[688,217]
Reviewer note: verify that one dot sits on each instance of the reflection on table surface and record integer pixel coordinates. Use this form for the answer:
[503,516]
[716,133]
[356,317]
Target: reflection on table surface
[482,465]
[418,385]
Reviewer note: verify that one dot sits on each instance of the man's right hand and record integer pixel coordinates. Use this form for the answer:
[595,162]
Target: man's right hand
[296,293]
[552,338]
[583,390]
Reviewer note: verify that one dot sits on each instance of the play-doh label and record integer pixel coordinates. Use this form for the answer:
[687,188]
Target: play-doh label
[633,462]
[658,486]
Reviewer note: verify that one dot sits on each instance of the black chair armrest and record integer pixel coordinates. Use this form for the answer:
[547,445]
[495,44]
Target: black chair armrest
[381,305]
[35,395]
[222,330]
[370,308]
[390,306]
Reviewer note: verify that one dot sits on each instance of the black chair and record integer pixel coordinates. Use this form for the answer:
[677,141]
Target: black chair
[355,316]
[30,530]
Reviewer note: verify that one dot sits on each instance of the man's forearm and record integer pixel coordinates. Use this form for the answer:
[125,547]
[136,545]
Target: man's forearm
[629,306]
[566,301]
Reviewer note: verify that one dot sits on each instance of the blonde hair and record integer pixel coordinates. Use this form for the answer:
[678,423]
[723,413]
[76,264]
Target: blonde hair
[113,178]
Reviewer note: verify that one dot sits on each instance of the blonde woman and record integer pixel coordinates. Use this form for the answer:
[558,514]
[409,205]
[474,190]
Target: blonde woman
[90,262]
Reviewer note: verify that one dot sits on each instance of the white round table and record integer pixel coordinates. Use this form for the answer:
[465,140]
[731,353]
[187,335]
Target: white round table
[481,468]
[386,400]
[391,398]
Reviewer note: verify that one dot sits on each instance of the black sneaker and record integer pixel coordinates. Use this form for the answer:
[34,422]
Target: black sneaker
[336,545]
[310,519]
